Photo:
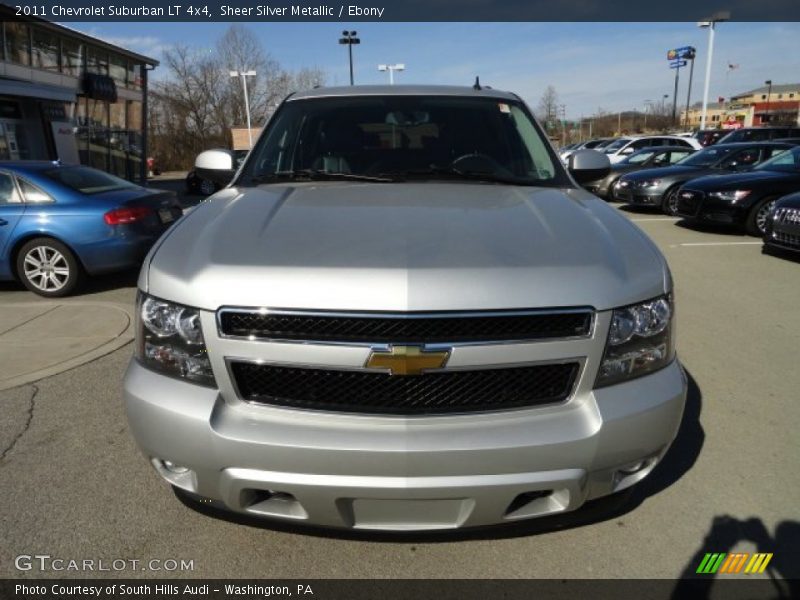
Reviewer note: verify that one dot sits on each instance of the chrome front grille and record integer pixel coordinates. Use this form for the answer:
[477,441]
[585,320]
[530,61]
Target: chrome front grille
[404,328]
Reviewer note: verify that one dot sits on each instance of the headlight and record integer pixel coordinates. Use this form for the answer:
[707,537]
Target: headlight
[640,341]
[623,183]
[649,183]
[169,339]
[730,196]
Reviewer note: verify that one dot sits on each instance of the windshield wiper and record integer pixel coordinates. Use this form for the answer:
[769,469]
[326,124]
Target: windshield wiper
[316,175]
[469,174]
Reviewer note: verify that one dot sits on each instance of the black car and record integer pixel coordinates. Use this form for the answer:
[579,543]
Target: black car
[759,134]
[659,187]
[198,185]
[742,199]
[646,158]
[782,230]
[709,137]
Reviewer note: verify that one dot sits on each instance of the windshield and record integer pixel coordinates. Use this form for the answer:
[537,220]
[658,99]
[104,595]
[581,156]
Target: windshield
[87,180]
[788,162]
[706,157]
[615,145]
[639,157]
[392,138]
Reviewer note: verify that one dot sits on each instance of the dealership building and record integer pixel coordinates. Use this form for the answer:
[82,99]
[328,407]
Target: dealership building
[69,96]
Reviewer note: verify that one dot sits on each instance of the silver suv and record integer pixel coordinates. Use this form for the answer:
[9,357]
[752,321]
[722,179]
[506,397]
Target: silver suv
[403,313]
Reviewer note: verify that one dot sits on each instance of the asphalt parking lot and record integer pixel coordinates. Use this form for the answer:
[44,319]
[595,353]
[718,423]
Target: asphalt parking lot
[75,486]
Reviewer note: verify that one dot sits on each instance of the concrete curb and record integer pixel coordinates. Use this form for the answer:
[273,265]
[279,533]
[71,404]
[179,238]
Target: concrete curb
[112,338]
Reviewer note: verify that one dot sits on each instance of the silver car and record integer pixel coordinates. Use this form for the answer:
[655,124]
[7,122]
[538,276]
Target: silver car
[403,313]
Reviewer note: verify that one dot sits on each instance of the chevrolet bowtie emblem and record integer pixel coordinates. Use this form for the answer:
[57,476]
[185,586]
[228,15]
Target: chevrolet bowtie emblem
[407,360]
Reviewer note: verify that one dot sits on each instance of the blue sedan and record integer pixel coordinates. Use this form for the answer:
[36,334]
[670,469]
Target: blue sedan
[60,223]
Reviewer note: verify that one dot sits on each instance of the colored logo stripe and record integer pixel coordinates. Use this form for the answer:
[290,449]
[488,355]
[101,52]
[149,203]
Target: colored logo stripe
[758,563]
[711,563]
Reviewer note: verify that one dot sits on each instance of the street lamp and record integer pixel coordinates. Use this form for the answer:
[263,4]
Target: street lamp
[647,104]
[244,75]
[768,82]
[349,39]
[391,69]
[709,23]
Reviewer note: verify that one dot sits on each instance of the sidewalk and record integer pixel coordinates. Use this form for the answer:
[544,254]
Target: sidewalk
[41,339]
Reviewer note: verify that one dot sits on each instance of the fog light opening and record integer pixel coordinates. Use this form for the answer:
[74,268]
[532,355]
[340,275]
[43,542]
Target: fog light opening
[633,472]
[272,502]
[173,468]
[175,474]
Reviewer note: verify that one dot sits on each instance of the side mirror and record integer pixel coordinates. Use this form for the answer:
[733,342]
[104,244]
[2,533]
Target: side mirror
[218,166]
[628,150]
[588,165]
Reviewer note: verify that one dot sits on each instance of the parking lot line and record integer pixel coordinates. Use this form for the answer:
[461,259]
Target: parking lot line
[717,244]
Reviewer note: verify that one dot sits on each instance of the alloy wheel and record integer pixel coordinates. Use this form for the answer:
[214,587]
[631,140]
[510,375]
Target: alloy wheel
[46,268]
[206,187]
[763,214]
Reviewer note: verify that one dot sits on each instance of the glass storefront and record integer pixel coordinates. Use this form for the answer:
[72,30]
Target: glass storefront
[108,135]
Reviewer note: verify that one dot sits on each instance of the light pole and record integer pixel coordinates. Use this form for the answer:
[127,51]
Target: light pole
[391,69]
[349,39]
[709,23]
[244,75]
[647,104]
[769,93]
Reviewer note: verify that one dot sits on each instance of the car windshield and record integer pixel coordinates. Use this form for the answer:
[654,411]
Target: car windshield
[615,145]
[87,180]
[401,138]
[788,162]
[639,157]
[706,157]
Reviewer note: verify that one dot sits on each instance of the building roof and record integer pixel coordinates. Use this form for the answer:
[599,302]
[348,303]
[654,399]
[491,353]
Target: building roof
[404,90]
[777,88]
[7,14]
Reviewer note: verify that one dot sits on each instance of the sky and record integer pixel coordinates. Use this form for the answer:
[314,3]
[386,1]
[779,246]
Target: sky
[613,66]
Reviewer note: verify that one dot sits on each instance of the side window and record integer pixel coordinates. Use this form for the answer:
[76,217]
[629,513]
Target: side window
[743,158]
[683,143]
[770,152]
[661,159]
[32,194]
[8,191]
[677,155]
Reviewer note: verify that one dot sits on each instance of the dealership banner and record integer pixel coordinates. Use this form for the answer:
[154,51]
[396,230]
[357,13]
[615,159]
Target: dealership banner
[706,586]
[396,10]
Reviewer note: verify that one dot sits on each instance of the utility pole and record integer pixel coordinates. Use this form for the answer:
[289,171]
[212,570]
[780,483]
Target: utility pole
[244,75]
[689,92]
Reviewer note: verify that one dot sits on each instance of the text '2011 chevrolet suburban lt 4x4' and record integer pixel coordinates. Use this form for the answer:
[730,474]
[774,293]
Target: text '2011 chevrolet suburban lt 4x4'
[404,314]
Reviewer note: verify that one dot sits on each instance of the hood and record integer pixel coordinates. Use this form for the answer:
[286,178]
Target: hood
[662,172]
[737,180]
[404,247]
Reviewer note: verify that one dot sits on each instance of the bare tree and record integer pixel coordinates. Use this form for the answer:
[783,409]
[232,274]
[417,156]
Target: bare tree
[198,102]
[547,109]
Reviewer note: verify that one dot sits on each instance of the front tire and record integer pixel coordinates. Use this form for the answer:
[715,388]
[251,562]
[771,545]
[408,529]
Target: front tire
[47,267]
[669,205]
[756,222]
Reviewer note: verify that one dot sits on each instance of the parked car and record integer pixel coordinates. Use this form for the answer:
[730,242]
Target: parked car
[709,137]
[594,144]
[659,187]
[782,229]
[419,321]
[759,134]
[59,223]
[625,146]
[200,185]
[745,199]
[646,158]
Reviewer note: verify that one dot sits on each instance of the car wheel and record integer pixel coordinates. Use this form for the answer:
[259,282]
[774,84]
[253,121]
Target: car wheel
[757,218]
[610,190]
[207,187]
[47,267]
[669,205]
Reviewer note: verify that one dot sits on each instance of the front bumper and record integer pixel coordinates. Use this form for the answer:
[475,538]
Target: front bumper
[636,196]
[395,473]
[699,206]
